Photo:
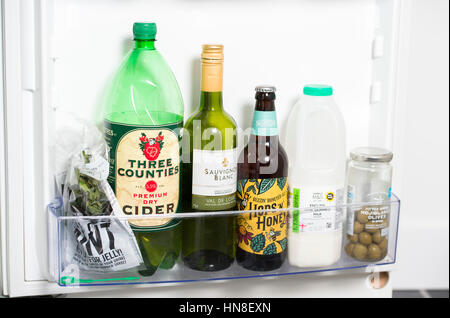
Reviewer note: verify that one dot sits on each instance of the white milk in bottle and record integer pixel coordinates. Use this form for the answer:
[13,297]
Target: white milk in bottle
[315,143]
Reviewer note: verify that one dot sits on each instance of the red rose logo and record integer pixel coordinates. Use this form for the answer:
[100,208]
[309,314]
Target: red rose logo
[151,147]
[151,152]
[151,186]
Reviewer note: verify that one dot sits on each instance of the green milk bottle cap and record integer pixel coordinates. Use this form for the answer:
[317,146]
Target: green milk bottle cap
[318,90]
[144,30]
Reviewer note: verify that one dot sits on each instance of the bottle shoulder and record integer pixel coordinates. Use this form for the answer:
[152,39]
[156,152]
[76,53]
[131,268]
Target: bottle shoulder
[190,121]
[252,164]
[208,119]
[144,88]
[229,119]
[151,67]
[310,107]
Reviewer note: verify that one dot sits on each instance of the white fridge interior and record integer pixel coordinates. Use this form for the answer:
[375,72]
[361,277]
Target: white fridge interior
[60,55]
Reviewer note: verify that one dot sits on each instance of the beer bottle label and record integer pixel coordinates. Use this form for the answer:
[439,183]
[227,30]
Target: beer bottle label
[262,233]
[145,172]
[264,123]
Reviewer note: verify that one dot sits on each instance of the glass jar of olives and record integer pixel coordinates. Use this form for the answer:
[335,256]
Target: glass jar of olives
[369,176]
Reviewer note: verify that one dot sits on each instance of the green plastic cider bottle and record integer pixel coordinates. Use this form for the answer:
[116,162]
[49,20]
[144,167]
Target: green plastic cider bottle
[143,117]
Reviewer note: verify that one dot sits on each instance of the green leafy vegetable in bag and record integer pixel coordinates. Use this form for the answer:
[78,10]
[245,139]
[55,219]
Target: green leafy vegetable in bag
[89,199]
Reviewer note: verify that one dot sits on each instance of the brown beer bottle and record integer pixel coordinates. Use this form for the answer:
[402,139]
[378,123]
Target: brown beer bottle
[262,185]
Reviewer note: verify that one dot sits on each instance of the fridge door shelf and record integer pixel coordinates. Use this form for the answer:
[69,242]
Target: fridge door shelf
[66,271]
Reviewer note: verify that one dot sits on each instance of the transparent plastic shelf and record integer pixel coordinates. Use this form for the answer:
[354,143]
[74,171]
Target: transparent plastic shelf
[65,269]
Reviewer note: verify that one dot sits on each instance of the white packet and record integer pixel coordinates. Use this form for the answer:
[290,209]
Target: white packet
[99,245]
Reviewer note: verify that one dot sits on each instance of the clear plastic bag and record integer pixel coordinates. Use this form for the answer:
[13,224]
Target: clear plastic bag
[98,245]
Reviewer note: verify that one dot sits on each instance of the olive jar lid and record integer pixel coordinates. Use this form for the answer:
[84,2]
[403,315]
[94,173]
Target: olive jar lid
[371,154]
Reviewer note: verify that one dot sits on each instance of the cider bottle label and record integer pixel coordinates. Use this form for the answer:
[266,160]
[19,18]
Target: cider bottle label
[262,233]
[145,172]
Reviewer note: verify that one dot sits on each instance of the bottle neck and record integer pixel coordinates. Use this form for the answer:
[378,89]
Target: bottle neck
[265,105]
[144,44]
[263,140]
[211,101]
[212,82]
[265,119]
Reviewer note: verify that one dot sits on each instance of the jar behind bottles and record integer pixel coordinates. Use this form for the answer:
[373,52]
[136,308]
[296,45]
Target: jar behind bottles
[369,177]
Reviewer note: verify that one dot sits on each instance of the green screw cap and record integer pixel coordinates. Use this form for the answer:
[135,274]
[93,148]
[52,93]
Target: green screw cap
[318,90]
[144,30]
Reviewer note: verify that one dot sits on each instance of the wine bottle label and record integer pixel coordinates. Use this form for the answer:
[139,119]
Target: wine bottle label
[324,215]
[214,177]
[262,233]
[264,123]
[144,172]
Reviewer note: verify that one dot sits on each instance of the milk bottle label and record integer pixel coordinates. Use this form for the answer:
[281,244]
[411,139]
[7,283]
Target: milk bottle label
[321,214]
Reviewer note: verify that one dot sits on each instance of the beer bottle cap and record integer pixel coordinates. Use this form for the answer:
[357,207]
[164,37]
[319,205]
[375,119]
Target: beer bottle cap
[265,89]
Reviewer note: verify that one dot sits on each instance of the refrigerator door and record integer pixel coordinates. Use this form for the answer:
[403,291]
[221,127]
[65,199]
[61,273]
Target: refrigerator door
[59,55]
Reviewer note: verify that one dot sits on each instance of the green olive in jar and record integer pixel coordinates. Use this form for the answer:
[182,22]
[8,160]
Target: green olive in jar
[383,252]
[374,252]
[357,227]
[376,237]
[365,238]
[369,230]
[362,217]
[360,251]
[383,244]
[349,249]
[353,238]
